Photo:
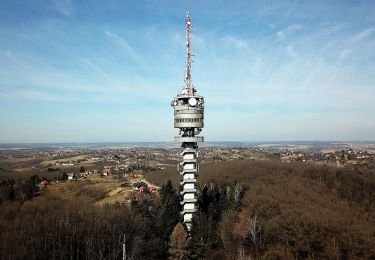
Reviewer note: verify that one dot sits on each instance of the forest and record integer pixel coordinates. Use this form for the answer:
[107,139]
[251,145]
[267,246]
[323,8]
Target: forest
[247,210]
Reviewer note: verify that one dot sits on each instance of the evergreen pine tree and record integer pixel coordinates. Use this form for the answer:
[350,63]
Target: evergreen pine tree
[169,213]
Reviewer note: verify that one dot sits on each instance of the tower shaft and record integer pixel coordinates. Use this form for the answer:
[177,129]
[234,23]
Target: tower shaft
[188,168]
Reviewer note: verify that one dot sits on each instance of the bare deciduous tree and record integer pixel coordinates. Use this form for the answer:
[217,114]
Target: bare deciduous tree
[256,235]
[179,242]
[237,192]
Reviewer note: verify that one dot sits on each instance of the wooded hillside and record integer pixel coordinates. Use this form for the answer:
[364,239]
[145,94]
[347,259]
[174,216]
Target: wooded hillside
[257,209]
[301,210]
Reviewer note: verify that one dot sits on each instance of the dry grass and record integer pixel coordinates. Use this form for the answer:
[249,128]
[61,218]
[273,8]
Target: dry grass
[73,158]
[95,189]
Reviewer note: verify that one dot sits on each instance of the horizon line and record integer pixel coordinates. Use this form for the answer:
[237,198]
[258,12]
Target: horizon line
[215,141]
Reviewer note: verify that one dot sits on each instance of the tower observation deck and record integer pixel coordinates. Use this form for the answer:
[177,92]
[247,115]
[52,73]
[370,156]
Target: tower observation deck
[188,117]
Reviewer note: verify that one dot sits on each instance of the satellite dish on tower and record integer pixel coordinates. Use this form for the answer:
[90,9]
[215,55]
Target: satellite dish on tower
[192,102]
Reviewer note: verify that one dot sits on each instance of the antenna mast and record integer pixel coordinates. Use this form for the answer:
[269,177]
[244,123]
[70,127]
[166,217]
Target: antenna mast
[188,86]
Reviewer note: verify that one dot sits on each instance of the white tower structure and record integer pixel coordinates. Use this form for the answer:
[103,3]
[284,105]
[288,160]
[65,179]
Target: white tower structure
[188,117]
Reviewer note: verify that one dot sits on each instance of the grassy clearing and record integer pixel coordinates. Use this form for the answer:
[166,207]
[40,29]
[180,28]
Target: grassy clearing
[96,189]
[16,160]
[93,188]
[73,158]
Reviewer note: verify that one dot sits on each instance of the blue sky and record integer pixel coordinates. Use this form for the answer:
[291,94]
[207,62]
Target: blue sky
[75,71]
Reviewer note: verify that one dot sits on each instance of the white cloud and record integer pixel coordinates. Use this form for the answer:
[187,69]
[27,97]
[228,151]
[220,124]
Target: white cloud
[236,42]
[33,94]
[361,35]
[291,52]
[343,55]
[64,7]
[124,45]
[291,28]
[99,70]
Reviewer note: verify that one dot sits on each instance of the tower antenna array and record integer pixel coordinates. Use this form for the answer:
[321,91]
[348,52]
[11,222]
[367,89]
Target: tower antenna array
[188,26]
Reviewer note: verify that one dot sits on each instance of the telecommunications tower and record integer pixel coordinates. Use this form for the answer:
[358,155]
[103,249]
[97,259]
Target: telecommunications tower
[188,117]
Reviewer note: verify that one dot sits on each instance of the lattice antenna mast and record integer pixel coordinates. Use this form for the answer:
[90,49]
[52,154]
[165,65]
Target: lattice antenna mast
[188,85]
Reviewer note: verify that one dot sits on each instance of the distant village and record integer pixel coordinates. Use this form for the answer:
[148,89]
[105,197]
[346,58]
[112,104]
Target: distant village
[116,162]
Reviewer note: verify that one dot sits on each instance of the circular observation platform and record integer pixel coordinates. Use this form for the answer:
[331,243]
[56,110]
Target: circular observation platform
[188,111]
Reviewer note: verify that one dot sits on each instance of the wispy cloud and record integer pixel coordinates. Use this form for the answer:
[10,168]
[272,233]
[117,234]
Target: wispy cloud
[361,35]
[291,52]
[35,95]
[100,71]
[124,45]
[235,42]
[64,7]
[343,55]
[291,28]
